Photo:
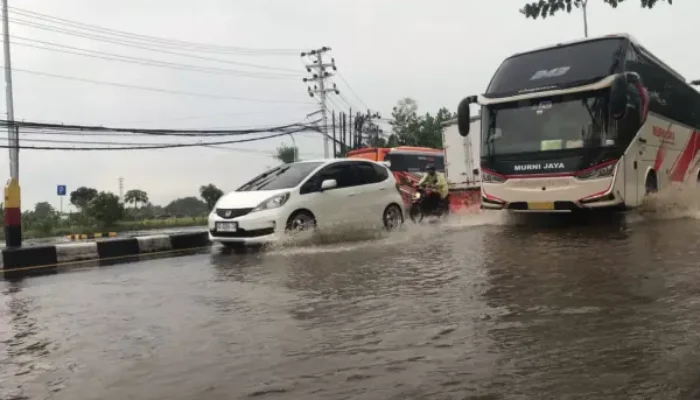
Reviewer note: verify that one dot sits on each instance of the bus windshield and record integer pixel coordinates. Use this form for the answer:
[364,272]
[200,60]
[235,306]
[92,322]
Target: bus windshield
[558,67]
[415,162]
[546,124]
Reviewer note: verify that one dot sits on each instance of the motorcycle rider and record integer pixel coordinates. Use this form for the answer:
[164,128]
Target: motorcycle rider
[437,184]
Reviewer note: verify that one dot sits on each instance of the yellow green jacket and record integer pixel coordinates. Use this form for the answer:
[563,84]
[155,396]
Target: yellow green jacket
[439,183]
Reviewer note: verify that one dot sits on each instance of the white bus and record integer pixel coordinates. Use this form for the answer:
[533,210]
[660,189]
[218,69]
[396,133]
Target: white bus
[588,124]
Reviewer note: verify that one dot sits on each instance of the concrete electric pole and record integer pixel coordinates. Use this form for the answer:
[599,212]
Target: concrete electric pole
[13,209]
[320,75]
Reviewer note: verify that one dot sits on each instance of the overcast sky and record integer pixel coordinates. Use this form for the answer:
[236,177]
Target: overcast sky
[434,51]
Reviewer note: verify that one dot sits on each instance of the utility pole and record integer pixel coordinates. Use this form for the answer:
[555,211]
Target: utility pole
[121,188]
[320,75]
[13,209]
[335,141]
[584,3]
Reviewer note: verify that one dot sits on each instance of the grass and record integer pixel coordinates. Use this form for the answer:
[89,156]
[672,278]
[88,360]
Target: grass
[121,226]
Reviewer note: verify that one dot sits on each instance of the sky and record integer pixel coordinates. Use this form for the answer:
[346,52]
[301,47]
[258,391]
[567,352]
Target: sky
[435,51]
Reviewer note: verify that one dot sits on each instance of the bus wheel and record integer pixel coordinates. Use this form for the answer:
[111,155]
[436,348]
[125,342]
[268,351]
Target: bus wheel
[651,185]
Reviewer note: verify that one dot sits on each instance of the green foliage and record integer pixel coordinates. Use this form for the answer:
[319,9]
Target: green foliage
[544,8]
[135,197]
[287,154]
[82,196]
[105,209]
[410,129]
[187,207]
[210,194]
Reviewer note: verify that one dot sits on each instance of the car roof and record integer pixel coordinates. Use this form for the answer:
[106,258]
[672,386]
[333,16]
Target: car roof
[328,161]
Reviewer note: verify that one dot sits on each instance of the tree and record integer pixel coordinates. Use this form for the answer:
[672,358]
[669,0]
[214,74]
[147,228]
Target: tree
[210,194]
[287,154]
[136,197]
[404,122]
[410,129]
[544,8]
[44,210]
[81,196]
[105,209]
[187,207]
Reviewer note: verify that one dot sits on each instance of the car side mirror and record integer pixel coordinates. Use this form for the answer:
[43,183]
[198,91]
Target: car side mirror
[329,184]
[618,97]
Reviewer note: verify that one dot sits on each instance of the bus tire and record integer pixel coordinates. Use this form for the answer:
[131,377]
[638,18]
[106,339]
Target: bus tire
[652,184]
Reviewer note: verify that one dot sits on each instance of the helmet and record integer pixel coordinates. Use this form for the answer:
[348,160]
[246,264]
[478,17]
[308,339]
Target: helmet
[430,167]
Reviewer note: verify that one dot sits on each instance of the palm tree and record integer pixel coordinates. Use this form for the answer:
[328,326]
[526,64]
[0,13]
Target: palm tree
[136,197]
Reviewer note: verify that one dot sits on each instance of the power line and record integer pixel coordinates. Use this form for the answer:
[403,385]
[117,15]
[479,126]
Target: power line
[150,131]
[145,88]
[151,147]
[162,41]
[351,90]
[143,61]
[138,45]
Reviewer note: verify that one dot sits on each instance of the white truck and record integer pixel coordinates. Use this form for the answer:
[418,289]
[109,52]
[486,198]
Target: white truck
[462,155]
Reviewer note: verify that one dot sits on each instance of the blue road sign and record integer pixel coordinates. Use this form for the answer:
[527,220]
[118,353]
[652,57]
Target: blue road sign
[61,190]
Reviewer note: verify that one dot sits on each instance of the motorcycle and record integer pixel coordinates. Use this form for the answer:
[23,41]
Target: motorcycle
[421,208]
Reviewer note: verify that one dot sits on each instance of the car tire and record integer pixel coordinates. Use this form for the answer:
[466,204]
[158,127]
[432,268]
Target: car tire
[301,221]
[393,217]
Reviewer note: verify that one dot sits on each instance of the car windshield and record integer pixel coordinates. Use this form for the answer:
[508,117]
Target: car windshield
[283,177]
[414,162]
[546,124]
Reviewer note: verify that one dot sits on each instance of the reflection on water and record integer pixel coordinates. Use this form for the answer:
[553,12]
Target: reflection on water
[480,307]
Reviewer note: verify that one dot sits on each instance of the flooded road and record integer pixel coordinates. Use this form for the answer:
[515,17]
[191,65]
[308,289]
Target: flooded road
[482,308]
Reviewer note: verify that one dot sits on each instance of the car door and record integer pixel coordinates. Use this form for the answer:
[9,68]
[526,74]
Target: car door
[333,206]
[372,192]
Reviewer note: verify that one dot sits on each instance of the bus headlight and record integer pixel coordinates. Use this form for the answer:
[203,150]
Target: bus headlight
[491,177]
[601,171]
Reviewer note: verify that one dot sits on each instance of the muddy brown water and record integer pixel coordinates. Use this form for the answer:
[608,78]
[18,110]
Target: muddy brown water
[479,308]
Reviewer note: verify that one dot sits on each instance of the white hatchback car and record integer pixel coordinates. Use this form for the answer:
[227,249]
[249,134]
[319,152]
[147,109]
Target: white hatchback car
[305,195]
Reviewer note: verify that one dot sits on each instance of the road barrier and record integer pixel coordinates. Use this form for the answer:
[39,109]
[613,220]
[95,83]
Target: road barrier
[42,260]
[98,235]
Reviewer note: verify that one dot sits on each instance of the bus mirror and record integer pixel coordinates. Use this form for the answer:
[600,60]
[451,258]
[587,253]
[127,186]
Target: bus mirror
[463,116]
[618,97]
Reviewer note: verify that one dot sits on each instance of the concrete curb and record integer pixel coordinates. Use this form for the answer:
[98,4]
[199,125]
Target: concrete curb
[41,260]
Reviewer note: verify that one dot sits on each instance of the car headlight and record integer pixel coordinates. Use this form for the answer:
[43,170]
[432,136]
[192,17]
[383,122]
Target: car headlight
[275,201]
[491,177]
[601,171]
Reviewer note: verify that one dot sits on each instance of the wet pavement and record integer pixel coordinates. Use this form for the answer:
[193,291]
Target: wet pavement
[483,308]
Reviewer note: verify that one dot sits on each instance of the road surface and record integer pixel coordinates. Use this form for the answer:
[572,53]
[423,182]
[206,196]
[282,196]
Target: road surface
[483,308]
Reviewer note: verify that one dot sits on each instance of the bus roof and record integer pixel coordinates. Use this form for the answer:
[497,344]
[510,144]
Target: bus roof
[626,36]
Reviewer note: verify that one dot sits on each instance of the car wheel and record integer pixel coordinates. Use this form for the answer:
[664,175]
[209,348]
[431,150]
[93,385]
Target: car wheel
[393,217]
[301,221]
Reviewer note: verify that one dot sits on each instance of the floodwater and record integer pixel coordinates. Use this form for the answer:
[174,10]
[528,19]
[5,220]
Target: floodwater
[485,307]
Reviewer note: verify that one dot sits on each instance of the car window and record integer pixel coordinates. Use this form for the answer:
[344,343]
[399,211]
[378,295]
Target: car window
[342,172]
[381,171]
[367,174]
